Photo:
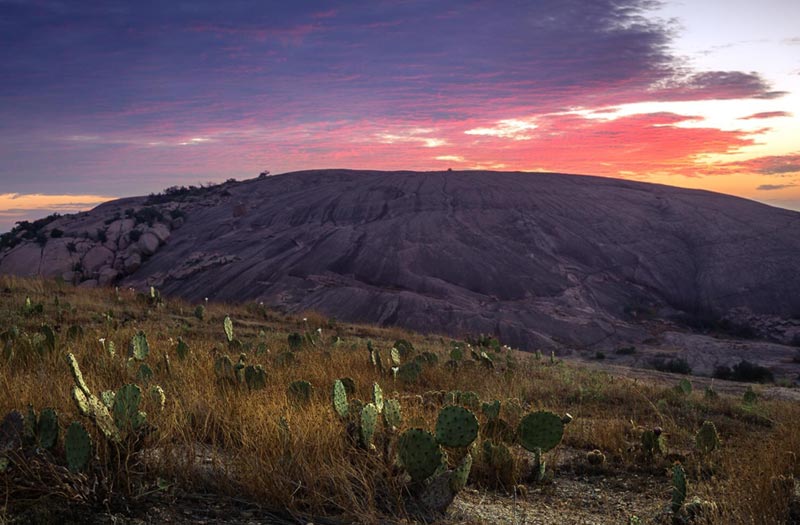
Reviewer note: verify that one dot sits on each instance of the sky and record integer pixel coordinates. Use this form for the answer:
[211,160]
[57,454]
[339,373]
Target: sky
[104,99]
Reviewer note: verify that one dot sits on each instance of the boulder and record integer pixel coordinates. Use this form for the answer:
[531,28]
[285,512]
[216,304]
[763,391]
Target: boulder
[107,276]
[22,260]
[161,231]
[132,263]
[96,258]
[148,243]
[56,258]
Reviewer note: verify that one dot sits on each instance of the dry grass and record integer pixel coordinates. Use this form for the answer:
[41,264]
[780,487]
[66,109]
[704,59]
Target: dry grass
[230,441]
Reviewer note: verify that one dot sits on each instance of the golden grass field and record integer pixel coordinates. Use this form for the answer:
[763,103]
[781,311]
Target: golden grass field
[226,442]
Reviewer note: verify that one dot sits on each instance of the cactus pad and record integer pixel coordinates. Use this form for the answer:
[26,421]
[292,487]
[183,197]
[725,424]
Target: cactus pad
[409,372]
[678,487]
[126,412]
[11,430]
[456,427]
[369,420]
[491,410]
[300,391]
[339,398]
[349,385]
[392,413]
[394,355]
[540,430]
[707,439]
[228,325]
[77,376]
[255,377]
[458,480]
[377,397]
[653,443]
[145,373]
[78,447]
[182,349]
[47,429]
[138,348]
[157,396]
[107,397]
[419,453]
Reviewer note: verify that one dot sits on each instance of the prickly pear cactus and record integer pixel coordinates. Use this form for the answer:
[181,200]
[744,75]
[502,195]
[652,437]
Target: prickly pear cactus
[107,397]
[377,397]
[409,372]
[228,326]
[255,377]
[369,421]
[419,453]
[349,385]
[392,413]
[138,347]
[30,426]
[595,458]
[11,431]
[223,369]
[749,397]
[497,456]
[300,391]
[540,430]
[707,439]
[145,373]
[685,387]
[182,349]
[127,415]
[653,442]
[47,428]
[89,405]
[456,427]
[157,396]
[49,337]
[394,355]
[78,447]
[678,487]
[491,410]
[459,477]
[470,400]
[339,399]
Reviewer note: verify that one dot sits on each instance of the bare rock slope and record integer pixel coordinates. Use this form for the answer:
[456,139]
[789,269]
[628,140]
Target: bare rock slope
[540,260]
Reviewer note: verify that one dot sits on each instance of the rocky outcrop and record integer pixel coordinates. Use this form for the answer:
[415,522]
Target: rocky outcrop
[540,260]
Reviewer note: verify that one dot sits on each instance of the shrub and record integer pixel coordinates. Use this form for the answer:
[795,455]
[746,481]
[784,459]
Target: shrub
[134,235]
[746,372]
[101,235]
[55,233]
[626,350]
[599,355]
[148,215]
[675,366]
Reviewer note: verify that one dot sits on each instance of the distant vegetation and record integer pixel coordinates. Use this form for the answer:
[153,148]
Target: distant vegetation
[27,230]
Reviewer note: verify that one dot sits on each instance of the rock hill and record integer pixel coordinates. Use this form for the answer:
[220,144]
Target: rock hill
[540,260]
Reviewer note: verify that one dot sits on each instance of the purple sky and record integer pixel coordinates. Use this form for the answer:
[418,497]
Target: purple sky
[121,98]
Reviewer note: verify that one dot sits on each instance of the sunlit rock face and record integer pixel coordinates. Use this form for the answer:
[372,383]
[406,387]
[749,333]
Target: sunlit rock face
[540,260]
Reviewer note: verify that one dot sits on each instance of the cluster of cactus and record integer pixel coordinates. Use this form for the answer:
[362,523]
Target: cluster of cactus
[693,511]
[116,414]
[42,432]
[423,457]
[363,418]
[228,374]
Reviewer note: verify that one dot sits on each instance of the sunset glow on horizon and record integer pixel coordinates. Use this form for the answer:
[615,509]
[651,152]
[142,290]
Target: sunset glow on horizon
[119,98]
